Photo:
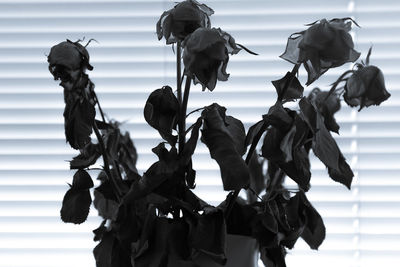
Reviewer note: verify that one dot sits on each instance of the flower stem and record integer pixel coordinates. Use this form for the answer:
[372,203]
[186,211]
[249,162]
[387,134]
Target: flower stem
[114,163]
[182,116]
[106,161]
[98,105]
[193,111]
[179,76]
[335,84]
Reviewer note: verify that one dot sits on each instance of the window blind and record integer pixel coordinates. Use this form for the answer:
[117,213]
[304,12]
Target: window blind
[362,224]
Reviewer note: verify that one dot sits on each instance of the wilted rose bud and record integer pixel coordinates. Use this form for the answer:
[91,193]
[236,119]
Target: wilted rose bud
[67,61]
[161,112]
[180,21]
[206,56]
[365,87]
[326,44]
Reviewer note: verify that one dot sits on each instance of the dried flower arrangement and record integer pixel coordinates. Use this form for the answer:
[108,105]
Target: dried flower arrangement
[155,219]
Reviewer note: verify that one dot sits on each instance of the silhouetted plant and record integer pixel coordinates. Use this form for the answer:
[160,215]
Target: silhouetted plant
[155,219]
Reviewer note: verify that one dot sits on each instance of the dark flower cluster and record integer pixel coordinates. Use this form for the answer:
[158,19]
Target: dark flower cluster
[206,49]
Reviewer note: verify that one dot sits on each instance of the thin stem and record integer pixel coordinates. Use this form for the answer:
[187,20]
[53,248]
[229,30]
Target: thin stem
[116,166]
[106,161]
[338,81]
[183,75]
[255,193]
[193,111]
[98,105]
[94,169]
[178,72]
[186,96]
[182,117]
[114,163]
[190,128]
[256,139]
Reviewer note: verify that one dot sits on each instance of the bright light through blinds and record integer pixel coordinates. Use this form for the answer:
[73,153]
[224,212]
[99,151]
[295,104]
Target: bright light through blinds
[129,62]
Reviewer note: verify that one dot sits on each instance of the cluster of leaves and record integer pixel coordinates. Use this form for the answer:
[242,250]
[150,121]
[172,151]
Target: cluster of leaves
[155,219]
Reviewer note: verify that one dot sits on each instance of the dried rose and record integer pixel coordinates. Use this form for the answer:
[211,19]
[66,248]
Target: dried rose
[365,87]
[206,56]
[67,62]
[161,112]
[180,21]
[326,44]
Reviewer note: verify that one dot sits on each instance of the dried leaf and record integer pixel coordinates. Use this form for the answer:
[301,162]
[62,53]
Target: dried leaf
[79,118]
[218,138]
[324,146]
[82,180]
[104,250]
[161,112]
[344,175]
[75,206]
[106,207]
[257,177]
[100,231]
[151,179]
[236,129]
[286,144]
[293,91]
[279,117]
[253,131]
[88,156]
[314,232]
[191,144]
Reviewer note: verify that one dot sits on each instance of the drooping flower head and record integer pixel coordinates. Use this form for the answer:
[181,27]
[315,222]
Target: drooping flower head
[177,23]
[206,56]
[67,61]
[161,112]
[325,44]
[365,87]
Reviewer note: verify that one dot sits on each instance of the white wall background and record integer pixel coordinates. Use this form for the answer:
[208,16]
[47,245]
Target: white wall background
[129,62]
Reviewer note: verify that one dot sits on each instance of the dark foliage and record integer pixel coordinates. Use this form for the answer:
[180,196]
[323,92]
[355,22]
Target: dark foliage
[155,219]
